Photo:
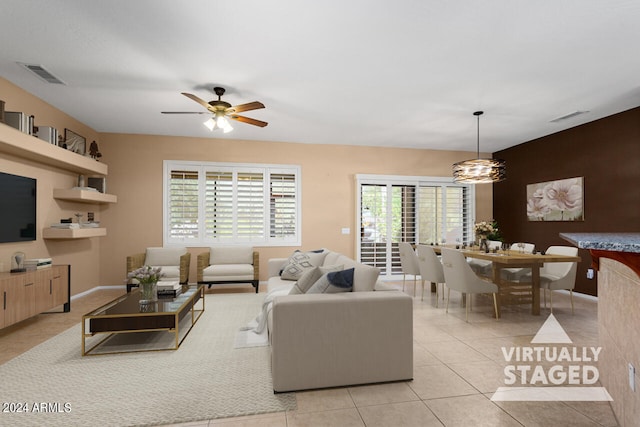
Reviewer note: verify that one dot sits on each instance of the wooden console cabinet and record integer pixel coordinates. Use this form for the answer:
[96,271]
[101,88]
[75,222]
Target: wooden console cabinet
[26,294]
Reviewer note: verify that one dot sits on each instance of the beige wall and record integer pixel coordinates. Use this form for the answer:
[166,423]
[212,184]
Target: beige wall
[328,188]
[135,176]
[83,255]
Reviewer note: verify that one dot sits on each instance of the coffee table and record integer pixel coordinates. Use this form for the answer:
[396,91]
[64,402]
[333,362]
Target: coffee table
[125,314]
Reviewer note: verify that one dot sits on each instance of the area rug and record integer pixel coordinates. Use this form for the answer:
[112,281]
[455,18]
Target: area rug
[205,378]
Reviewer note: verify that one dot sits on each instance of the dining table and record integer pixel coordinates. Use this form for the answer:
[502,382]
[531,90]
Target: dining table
[516,259]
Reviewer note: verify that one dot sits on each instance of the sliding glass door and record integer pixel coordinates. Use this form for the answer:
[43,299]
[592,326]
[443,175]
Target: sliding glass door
[406,209]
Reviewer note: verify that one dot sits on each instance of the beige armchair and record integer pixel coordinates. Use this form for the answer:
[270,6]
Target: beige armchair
[230,264]
[175,262]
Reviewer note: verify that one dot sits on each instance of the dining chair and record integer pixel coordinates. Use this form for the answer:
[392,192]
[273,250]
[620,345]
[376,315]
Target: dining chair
[514,274]
[409,263]
[430,268]
[459,276]
[483,267]
[557,275]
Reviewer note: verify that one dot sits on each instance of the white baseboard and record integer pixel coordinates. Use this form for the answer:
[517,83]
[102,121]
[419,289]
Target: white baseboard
[85,293]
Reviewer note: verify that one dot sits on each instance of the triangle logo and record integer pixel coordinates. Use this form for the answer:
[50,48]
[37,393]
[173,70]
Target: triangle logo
[551,333]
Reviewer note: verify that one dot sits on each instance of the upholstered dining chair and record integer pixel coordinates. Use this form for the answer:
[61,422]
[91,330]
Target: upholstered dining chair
[175,262]
[430,268]
[556,276]
[483,267]
[460,277]
[514,274]
[409,263]
[229,264]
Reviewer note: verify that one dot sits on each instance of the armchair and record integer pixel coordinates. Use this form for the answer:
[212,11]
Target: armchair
[175,262]
[231,264]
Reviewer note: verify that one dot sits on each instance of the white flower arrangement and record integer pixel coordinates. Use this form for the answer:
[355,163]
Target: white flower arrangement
[484,228]
[146,274]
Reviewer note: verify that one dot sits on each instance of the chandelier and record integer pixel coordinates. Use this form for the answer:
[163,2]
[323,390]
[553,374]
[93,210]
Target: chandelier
[479,171]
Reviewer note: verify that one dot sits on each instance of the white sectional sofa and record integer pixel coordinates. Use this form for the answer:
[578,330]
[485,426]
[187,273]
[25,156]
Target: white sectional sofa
[339,339]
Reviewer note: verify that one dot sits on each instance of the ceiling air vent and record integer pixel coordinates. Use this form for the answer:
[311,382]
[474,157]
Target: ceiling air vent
[567,116]
[39,71]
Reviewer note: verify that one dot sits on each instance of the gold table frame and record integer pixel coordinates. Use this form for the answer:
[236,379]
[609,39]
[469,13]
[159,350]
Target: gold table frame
[102,322]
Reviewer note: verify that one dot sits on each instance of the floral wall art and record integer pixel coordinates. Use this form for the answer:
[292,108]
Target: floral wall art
[559,200]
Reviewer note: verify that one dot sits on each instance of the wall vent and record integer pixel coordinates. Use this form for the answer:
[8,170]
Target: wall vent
[39,71]
[567,116]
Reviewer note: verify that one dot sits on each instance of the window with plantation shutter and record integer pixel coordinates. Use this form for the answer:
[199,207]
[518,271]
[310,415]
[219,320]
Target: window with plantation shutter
[218,206]
[396,209]
[183,205]
[283,206]
[227,203]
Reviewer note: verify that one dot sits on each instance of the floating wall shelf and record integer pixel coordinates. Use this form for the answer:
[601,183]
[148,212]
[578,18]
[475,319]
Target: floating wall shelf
[73,233]
[84,196]
[17,143]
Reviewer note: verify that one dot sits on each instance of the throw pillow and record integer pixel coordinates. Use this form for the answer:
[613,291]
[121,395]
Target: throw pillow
[365,279]
[333,282]
[311,276]
[301,261]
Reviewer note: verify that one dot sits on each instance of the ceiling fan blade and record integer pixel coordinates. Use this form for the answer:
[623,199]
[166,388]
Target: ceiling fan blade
[185,112]
[248,120]
[244,107]
[202,102]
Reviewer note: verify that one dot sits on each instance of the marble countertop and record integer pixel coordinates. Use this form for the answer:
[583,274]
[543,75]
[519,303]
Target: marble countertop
[620,242]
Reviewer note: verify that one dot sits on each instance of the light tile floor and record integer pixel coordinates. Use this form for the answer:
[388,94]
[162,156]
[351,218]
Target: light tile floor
[458,366]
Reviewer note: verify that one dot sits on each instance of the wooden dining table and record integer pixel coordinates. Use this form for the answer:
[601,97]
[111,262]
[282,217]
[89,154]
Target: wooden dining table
[515,259]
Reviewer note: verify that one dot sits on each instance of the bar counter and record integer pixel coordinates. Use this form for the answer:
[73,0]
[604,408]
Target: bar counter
[616,257]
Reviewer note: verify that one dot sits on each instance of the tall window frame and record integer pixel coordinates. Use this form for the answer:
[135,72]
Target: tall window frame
[215,203]
[414,209]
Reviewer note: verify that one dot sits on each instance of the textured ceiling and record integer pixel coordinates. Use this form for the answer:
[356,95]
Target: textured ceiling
[402,73]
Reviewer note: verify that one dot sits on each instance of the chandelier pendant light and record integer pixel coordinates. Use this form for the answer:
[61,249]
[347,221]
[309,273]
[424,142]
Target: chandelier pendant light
[479,171]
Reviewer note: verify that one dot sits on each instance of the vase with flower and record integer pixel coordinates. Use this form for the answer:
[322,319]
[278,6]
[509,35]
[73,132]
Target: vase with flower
[483,229]
[147,278]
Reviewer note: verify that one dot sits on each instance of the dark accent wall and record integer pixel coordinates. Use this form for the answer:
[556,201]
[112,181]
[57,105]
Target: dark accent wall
[606,153]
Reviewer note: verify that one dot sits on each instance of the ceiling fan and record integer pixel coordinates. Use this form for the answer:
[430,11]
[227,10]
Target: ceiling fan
[222,110]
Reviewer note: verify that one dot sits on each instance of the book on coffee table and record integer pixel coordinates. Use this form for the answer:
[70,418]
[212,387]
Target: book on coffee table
[172,288]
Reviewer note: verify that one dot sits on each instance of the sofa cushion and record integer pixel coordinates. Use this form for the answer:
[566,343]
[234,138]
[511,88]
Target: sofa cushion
[365,278]
[311,276]
[164,256]
[168,272]
[333,282]
[228,272]
[299,261]
[231,255]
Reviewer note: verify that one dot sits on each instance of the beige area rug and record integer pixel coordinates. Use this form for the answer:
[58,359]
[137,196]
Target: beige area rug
[205,378]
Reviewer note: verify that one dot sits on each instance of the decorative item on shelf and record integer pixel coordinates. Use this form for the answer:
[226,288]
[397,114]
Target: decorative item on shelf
[147,278]
[75,142]
[479,171]
[17,262]
[93,151]
[98,183]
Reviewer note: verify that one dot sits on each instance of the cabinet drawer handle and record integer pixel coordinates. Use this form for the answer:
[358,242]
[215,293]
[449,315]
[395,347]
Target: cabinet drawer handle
[28,284]
[4,302]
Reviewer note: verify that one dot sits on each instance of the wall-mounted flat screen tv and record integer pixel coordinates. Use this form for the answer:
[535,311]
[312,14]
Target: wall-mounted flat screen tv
[17,208]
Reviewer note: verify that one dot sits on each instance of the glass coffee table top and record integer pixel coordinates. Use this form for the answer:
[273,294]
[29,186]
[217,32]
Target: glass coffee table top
[130,303]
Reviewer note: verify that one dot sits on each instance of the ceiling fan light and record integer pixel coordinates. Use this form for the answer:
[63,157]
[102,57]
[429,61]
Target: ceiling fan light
[210,124]
[228,128]
[221,121]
